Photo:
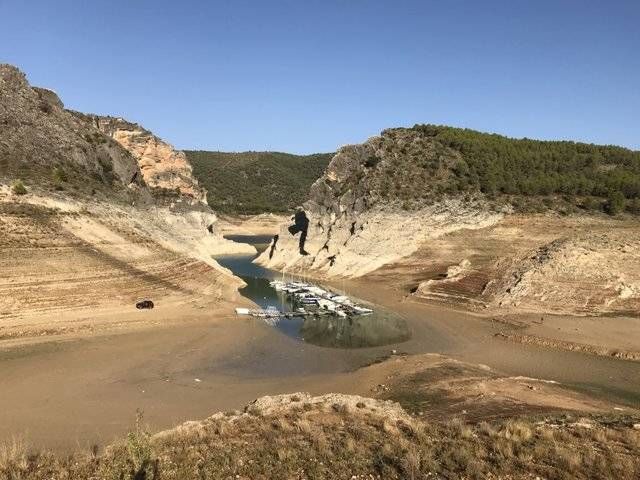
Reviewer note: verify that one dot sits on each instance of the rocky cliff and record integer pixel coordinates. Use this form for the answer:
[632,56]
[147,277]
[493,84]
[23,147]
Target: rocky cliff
[162,166]
[96,212]
[398,209]
[356,226]
[43,142]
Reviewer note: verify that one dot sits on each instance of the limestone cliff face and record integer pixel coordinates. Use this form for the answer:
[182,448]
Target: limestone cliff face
[162,166]
[356,228]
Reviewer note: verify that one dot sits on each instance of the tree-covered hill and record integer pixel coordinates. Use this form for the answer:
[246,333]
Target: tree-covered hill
[256,182]
[421,164]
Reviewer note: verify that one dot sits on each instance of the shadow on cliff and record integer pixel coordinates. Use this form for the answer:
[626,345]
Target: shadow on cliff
[273,246]
[301,224]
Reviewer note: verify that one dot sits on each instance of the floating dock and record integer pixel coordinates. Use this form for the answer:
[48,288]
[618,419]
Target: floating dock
[318,300]
[274,313]
[309,294]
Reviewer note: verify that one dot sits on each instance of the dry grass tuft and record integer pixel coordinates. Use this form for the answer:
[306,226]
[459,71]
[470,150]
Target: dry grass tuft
[323,442]
[13,455]
[517,431]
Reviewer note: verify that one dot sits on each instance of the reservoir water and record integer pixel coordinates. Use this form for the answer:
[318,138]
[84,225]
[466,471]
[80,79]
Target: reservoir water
[380,328]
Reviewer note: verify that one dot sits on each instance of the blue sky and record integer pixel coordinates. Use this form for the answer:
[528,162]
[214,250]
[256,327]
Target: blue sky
[306,76]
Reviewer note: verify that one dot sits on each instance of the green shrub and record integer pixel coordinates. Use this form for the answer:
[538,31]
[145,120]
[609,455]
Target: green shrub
[59,177]
[592,204]
[139,448]
[615,202]
[18,187]
[634,206]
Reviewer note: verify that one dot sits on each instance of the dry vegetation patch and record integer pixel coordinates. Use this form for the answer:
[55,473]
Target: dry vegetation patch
[337,436]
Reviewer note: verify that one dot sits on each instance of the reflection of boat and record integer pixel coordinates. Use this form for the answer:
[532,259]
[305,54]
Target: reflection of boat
[343,331]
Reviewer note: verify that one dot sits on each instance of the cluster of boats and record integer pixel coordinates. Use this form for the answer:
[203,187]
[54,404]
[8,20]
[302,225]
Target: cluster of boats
[308,295]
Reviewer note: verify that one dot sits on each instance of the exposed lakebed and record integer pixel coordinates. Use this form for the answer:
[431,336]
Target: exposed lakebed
[380,328]
[437,330]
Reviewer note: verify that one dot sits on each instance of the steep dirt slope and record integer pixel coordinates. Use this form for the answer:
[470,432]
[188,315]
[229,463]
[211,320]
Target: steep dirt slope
[65,265]
[528,263]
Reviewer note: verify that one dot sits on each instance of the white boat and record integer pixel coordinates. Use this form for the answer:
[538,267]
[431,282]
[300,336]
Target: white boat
[362,310]
[293,289]
[309,300]
[277,284]
[327,304]
[309,294]
[317,291]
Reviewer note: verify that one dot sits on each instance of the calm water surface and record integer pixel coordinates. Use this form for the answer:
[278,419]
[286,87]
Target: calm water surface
[381,328]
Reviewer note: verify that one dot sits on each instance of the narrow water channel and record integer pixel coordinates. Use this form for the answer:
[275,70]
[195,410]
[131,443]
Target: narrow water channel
[378,329]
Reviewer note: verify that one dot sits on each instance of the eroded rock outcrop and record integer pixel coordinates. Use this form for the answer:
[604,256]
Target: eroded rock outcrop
[587,272]
[162,166]
[37,135]
[356,228]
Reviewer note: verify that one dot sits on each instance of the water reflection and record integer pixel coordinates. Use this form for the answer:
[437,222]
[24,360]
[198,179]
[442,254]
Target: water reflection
[354,332]
[380,328]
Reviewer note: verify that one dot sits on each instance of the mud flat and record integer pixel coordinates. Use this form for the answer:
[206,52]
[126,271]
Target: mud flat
[478,339]
[81,392]
[86,390]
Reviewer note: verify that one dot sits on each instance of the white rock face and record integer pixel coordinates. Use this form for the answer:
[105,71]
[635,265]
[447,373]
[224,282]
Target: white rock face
[355,245]
[187,232]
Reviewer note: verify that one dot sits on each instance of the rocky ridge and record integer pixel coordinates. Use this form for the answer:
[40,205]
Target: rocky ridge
[354,229]
[38,135]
